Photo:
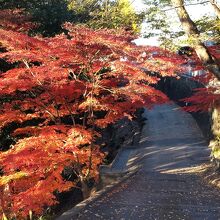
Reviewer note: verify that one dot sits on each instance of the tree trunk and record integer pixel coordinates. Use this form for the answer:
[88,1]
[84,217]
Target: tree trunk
[192,32]
[215,143]
[85,189]
[215,7]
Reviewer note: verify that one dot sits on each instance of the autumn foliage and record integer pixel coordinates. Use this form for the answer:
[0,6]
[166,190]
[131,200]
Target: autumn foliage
[16,20]
[58,94]
[208,97]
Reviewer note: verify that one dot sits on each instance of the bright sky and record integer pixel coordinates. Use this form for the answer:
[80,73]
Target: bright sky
[195,11]
[138,4]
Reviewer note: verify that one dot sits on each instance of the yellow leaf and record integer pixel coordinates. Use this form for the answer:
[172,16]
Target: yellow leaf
[6,179]
[30,215]
[4,217]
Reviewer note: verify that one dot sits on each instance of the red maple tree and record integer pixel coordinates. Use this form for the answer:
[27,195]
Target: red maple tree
[58,93]
[206,98]
[16,20]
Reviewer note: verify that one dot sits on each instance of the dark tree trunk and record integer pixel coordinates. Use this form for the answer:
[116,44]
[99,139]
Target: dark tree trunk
[85,189]
[193,34]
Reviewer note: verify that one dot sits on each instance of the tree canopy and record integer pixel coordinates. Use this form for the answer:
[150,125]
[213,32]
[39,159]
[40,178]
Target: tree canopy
[51,14]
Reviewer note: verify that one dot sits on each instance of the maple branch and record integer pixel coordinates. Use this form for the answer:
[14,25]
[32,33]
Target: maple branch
[28,67]
[107,89]
[41,84]
[70,112]
[43,106]
[92,118]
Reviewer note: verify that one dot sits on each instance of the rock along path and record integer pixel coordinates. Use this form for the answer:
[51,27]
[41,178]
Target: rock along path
[165,187]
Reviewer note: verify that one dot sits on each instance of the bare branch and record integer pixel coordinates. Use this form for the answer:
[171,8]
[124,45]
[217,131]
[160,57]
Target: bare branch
[198,3]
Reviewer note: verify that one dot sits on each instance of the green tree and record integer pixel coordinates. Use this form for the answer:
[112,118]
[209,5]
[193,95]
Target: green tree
[51,14]
[48,14]
[159,25]
[193,33]
[107,14]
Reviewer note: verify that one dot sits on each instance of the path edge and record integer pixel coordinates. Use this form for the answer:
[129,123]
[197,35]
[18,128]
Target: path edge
[73,213]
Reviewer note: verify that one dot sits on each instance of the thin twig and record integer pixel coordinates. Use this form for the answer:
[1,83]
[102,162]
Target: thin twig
[198,3]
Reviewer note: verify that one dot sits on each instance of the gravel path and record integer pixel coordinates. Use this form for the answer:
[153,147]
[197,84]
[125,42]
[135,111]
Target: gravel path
[166,186]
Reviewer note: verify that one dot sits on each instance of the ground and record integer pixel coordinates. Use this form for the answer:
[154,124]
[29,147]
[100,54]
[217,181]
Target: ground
[170,155]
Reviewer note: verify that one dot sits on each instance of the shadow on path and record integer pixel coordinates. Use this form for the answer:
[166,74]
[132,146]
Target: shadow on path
[170,153]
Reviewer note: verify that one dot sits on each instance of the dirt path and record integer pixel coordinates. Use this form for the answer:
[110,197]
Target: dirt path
[166,186]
